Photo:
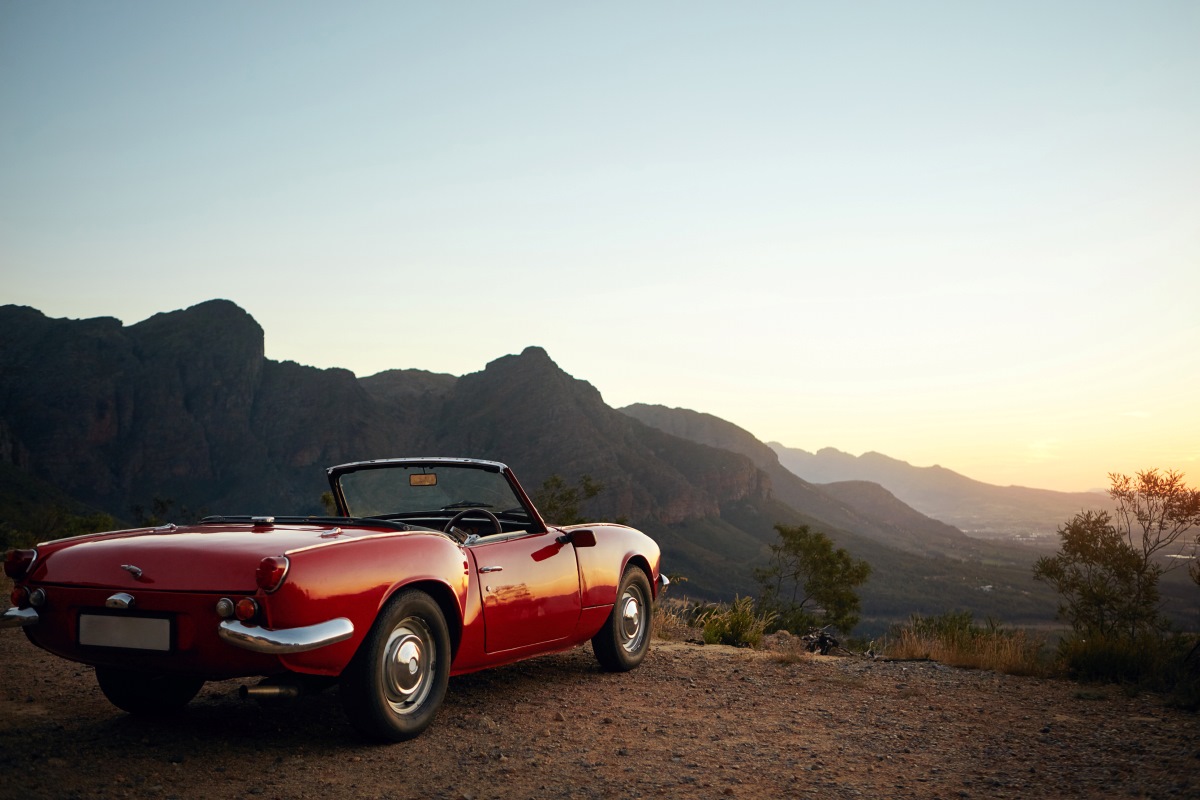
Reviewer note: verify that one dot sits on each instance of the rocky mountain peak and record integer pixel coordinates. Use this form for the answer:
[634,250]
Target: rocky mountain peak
[215,326]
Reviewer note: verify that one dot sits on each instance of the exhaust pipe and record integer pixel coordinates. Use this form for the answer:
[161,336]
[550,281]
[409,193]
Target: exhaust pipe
[270,691]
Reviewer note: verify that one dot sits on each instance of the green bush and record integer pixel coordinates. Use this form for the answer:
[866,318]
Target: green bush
[1168,664]
[738,624]
[11,539]
[51,523]
[1108,659]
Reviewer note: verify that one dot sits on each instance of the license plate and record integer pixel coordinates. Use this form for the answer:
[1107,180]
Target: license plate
[137,633]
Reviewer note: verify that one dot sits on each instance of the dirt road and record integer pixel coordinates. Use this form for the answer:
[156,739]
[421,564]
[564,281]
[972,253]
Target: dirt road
[691,722]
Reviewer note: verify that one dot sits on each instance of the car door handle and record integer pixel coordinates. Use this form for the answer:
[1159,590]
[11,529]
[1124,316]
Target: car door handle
[490,569]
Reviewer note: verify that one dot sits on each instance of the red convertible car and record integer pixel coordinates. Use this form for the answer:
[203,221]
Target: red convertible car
[435,567]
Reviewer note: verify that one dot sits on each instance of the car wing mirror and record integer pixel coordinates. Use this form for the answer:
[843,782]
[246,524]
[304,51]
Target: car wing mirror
[580,538]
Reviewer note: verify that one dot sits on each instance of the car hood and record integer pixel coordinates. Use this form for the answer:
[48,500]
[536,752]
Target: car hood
[200,558]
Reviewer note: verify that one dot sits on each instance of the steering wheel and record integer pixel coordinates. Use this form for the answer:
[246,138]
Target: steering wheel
[450,529]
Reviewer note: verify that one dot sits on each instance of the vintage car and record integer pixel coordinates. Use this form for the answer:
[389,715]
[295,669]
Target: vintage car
[434,567]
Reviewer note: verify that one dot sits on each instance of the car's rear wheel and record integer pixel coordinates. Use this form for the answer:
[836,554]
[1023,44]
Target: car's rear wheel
[396,682]
[147,693]
[623,641]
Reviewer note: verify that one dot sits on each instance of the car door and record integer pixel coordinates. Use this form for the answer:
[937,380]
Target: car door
[530,590]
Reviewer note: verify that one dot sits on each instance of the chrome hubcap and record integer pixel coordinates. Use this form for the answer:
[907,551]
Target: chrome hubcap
[633,620]
[408,666]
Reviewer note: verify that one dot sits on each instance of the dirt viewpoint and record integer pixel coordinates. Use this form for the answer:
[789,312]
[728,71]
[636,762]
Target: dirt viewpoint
[691,722]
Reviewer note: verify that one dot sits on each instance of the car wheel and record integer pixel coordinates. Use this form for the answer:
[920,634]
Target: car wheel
[146,693]
[623,641]
[396,681]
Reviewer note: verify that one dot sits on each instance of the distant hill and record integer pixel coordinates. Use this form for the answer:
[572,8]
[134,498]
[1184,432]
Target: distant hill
[979,509]
[184,406]
[863,508]
[921,564]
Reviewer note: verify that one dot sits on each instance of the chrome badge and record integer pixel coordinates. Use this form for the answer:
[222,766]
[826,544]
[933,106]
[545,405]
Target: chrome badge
[132,570]
[120,600]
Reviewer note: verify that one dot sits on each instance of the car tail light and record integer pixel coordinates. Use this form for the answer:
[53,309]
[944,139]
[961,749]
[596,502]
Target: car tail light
[19,597]
[17,563]
[271,572]
[246,609]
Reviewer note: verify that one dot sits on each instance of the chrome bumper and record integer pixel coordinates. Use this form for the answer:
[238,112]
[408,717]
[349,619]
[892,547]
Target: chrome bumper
[285,640]
[18,618]
[663,583]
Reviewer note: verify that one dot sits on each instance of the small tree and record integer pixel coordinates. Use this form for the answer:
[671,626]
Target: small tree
[561,503]
[1109,567]
[806,574]
[1097,575]
[1154,510]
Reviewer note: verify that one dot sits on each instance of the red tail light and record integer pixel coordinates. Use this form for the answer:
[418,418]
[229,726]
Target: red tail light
[20,597]
[17,563]
[246,609]
[271,572]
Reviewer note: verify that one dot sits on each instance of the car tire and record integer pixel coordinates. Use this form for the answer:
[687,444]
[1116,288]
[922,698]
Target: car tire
[623,641]
[147,694]
[397,679]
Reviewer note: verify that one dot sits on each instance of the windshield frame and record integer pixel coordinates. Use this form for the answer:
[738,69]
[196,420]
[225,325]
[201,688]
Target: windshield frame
[337,473]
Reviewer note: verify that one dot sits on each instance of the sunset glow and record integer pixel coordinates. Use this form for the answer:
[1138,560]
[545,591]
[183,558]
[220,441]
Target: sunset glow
[956,234]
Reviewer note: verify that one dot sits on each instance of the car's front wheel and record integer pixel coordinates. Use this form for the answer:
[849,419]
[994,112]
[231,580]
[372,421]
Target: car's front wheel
[147,693]
[623,641]
[396,682]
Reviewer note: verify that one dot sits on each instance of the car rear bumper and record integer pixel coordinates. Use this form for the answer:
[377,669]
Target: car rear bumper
[18,618]
[286,640]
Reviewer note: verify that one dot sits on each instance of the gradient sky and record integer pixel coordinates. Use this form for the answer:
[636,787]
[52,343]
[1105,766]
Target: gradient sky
[955,233]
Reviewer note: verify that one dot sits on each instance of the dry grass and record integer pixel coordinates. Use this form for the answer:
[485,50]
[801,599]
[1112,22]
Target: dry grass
[954,641]
[671,621]
[792,655]
[951,639]
[1015,654]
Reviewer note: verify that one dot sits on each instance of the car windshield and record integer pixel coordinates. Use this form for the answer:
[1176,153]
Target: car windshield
[420,489]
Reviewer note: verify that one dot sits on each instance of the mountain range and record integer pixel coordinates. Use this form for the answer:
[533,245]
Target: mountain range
[978,509]
[185,406]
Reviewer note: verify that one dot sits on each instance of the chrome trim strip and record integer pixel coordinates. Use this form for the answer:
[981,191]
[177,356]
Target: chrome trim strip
[18,618]
[446,461]
[350,539]
[285,640]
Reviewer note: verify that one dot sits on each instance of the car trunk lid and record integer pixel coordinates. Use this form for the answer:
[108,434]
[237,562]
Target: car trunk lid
[202,558]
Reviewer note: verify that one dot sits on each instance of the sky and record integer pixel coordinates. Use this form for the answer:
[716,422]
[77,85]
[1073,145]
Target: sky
[964,234]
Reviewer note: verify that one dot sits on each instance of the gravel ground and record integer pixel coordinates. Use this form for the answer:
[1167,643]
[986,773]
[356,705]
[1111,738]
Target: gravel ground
[692,721]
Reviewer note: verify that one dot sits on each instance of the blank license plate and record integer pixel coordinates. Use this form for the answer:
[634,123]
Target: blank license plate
[138,633]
